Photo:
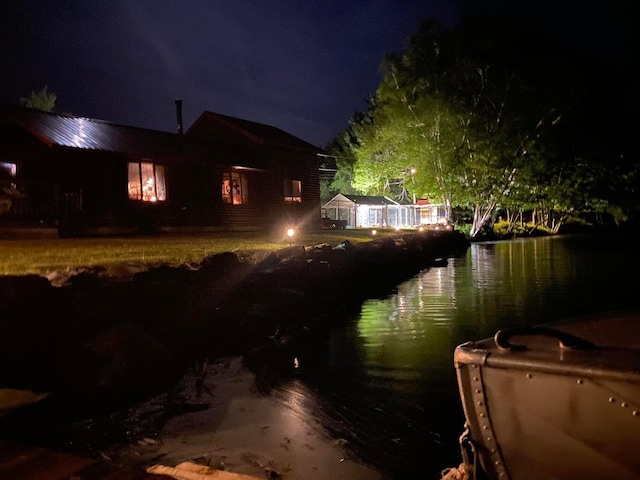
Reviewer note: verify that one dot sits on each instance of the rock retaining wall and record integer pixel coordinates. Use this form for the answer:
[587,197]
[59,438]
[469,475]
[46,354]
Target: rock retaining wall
[88,336]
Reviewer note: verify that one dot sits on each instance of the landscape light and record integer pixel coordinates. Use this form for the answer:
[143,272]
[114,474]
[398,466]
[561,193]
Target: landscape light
[290,233]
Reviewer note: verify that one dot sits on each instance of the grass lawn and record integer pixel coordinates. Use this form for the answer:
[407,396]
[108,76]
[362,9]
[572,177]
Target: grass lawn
[45,255]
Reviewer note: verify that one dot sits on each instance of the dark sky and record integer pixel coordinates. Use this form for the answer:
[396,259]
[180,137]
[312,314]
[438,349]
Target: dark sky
[304,66]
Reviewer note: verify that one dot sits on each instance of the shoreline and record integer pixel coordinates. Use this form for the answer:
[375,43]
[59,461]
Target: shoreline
[99,347]
[244,431]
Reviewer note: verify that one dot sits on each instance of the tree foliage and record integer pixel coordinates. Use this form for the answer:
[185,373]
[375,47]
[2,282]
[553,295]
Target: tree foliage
[341,151]
[41,100]
[489,117]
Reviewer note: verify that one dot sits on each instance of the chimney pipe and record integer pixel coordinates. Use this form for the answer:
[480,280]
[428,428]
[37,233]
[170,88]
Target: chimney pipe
[179,114]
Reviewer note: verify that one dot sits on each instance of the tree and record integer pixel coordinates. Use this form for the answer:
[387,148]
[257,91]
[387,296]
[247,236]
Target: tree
[341,150]
[380,162]
[43,100]
[435,112]
[467,108]
[490,117]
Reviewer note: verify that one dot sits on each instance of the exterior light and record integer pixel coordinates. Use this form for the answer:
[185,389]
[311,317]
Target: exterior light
[374,232]
[290,233]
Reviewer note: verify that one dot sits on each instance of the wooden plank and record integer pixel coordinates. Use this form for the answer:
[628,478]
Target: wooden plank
[193,471]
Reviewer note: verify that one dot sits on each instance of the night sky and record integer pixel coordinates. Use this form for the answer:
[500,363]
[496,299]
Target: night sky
[304,66]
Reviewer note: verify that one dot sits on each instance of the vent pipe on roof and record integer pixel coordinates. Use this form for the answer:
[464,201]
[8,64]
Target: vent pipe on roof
[179,114]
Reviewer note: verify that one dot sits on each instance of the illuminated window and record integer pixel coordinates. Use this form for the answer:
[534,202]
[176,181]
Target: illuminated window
[8,169]
[146,182]
[292,190]
[235,188]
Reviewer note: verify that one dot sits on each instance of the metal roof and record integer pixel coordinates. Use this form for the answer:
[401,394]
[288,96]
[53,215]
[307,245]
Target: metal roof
[371,200]
[344,201]
[55,129]
[251,132]
[68,131]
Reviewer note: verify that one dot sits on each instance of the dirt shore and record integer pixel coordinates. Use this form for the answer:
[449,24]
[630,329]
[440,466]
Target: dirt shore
[241,430]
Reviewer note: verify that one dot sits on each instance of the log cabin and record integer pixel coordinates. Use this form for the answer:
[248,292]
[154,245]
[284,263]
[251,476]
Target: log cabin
[84,176]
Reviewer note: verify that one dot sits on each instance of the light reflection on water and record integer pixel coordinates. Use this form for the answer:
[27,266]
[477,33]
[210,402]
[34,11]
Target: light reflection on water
[387,380]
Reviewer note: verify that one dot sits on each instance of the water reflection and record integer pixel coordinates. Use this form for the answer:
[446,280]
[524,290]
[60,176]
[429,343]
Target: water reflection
[388,376]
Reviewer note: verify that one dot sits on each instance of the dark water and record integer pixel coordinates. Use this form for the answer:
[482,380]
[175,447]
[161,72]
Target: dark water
[384,380]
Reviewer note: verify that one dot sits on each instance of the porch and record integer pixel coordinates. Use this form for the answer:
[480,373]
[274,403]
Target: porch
[363,211]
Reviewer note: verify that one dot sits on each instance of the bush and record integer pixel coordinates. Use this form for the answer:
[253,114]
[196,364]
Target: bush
[504,229]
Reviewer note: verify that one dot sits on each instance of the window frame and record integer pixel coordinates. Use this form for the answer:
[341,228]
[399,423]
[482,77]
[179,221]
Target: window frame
[139,187]
[292,191]
[235,188]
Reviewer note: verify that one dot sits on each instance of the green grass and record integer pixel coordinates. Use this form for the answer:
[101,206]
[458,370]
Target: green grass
[46,255]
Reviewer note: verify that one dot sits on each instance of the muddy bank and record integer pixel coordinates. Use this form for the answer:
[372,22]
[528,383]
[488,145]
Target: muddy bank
[243,430]
[96,339]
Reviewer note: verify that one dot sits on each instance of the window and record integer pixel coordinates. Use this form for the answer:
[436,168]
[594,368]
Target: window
[8,173]
[235,188]
[8,169]
[146,182]
[292,190]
